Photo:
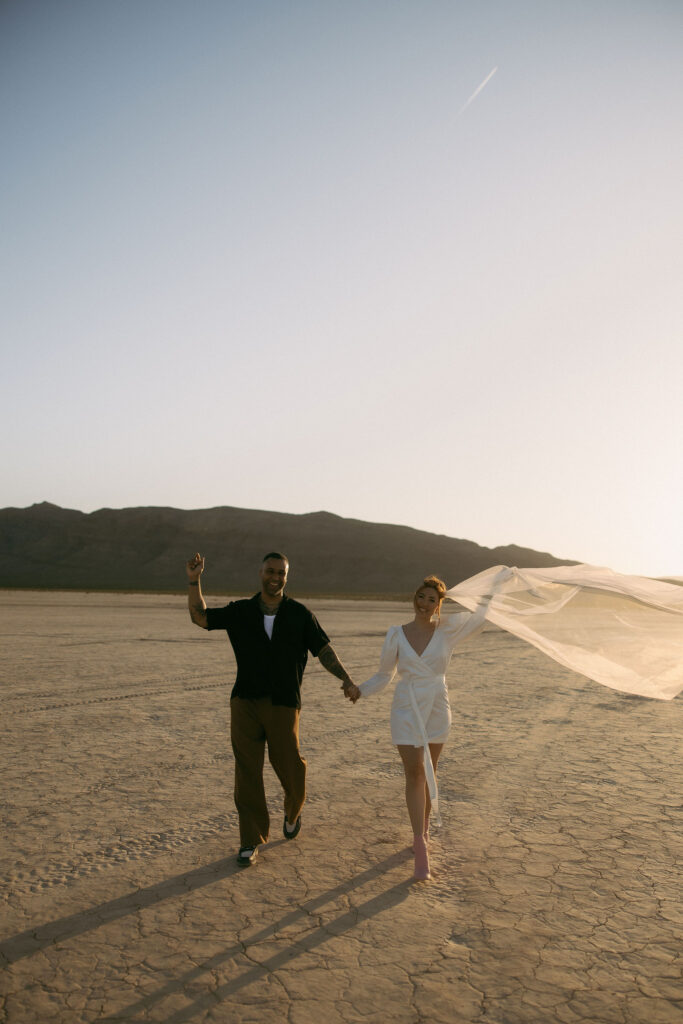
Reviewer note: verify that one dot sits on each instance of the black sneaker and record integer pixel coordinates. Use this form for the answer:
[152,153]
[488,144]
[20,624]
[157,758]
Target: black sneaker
[247,855]
[293,831]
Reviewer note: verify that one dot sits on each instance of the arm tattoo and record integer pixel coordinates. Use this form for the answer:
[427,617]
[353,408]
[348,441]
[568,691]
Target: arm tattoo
[329,660]
[197,607]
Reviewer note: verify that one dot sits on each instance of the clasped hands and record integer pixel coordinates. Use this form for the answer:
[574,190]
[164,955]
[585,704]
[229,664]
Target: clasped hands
[351,691]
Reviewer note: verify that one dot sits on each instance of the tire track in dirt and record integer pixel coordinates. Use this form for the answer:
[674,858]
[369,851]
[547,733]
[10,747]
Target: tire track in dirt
[65,872]
[116,778]
[113,698]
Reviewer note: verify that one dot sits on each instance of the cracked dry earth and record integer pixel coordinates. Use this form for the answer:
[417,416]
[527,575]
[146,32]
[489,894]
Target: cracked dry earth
[556,894]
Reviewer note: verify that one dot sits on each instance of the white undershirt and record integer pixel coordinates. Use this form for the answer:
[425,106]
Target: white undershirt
[268,621]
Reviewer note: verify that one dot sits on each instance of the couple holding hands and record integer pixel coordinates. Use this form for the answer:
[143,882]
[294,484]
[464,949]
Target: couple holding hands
[271,635]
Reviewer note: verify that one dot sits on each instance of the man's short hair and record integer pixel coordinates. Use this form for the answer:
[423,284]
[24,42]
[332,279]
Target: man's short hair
[276,554]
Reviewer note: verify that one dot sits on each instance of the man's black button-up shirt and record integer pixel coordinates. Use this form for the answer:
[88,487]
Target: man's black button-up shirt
[269,667]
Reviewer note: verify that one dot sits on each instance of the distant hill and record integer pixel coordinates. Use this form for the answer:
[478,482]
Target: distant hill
[46,546]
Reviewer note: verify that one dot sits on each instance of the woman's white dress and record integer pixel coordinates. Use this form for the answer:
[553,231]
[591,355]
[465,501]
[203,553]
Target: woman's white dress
[421,712]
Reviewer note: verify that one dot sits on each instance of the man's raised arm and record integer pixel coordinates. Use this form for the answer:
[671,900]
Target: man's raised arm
[195,600]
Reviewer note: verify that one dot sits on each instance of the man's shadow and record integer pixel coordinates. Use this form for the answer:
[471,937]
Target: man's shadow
[33,940]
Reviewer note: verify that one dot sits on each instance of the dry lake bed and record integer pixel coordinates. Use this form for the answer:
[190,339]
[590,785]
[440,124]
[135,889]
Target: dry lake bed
[556,894]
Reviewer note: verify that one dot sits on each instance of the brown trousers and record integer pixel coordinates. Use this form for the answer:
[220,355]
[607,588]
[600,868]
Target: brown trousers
[253,724]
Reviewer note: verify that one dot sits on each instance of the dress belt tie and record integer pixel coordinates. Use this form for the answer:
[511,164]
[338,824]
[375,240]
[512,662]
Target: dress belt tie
[429,767]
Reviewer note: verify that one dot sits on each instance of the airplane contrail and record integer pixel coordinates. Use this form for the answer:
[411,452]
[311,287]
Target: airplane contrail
[478,90]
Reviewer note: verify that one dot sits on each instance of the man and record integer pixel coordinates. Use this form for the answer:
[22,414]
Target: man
[271,636]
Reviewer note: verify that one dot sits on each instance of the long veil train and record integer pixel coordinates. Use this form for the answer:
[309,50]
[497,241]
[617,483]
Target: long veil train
[623,631]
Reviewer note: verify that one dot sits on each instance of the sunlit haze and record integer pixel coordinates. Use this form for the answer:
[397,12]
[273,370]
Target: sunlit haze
[413,263]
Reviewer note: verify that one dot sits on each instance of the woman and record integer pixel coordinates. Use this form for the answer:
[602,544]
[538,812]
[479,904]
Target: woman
[625,632]
[420,714]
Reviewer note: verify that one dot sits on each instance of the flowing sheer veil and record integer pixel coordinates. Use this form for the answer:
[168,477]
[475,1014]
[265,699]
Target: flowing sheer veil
[623,631]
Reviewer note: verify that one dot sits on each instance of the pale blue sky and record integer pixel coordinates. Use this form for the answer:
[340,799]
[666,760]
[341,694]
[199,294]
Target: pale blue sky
[253,255]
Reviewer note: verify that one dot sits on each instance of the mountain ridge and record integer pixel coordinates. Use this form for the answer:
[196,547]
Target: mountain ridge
[143,548]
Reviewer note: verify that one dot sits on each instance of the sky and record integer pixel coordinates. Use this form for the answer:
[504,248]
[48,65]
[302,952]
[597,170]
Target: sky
[407,262]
